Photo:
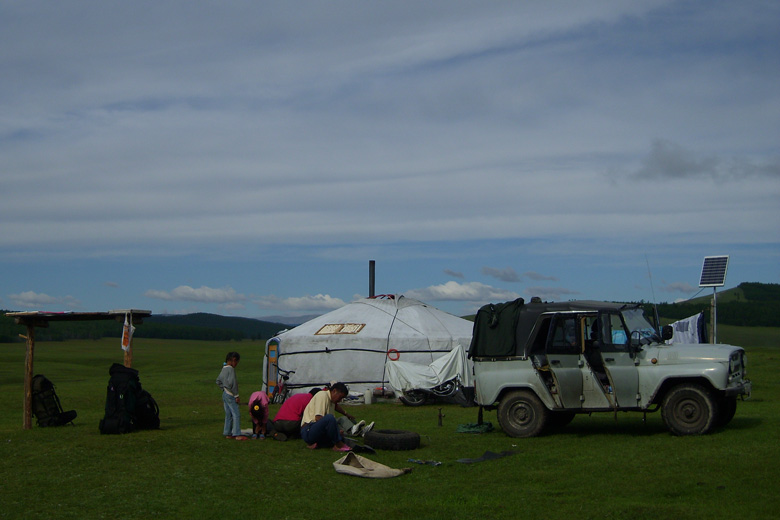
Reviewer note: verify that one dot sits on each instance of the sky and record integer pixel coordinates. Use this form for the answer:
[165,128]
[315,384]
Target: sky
[251,158]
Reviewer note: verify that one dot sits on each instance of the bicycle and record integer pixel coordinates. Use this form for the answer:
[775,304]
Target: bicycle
[281,390]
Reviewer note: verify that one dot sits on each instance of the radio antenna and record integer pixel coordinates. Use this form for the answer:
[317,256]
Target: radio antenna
[652,290]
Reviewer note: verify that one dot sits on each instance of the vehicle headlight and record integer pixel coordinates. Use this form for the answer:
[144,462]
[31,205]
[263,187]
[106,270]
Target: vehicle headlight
[736,366]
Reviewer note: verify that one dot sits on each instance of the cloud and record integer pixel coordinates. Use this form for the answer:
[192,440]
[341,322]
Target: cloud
[674,287]
[31,299]
[111,284]
[454,274]
[669,160]
[454,291]
[505,275]
[203,294]
[538,277]
[318,302]
[509,275]
[233,306]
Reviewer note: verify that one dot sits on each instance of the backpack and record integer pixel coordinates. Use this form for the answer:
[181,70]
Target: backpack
[128,406]
[46,405]
[147,412]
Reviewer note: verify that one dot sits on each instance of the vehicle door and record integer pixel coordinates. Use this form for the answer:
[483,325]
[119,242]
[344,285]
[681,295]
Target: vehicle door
[563,355]
[618,359]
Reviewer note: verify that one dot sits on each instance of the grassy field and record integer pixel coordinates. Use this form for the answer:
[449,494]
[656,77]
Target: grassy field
[597,467]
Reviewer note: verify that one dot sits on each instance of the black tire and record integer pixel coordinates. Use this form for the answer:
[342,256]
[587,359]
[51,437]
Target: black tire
[413,398]
[689,409]
[396,440]
[522,414]
[560,419]
[727,407]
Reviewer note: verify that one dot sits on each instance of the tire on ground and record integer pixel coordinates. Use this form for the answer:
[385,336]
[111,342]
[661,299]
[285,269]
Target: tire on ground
[392,440]
[522,414]
[689,409]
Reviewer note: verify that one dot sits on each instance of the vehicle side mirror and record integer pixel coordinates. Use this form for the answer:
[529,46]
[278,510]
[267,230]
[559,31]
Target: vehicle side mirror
[667,332]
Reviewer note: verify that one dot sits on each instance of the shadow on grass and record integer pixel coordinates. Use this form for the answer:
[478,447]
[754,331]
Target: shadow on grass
[586,426]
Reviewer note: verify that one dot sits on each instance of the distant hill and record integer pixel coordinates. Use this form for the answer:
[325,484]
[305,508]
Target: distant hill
[198,326]
[747,305]
[249,328]
[750,304]
[291,321]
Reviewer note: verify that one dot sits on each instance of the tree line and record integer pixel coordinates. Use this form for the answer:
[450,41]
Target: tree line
[748,305]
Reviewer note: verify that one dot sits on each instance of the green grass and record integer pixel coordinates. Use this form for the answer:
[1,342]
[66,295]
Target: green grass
[597,467]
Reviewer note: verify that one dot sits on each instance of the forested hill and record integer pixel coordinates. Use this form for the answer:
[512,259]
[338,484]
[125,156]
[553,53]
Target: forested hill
[250,328]
[199,326]
[747,305]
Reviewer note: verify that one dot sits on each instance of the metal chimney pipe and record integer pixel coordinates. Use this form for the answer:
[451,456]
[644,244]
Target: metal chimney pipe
[371,277]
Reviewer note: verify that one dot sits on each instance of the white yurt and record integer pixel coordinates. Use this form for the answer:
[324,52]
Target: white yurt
[354,343]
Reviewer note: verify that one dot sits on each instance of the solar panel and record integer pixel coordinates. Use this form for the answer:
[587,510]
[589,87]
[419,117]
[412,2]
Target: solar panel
[713,272]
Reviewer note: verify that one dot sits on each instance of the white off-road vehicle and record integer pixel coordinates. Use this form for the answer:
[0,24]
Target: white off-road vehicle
[539,364]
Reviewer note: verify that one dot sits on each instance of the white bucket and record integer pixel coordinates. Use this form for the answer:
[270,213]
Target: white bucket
[368,396]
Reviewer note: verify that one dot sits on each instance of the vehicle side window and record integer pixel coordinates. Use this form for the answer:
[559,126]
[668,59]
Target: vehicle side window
[565,337]
[541,329]
[612,334]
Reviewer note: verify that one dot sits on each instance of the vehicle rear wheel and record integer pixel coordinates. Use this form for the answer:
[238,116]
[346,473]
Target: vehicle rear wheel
[413,398]
[727,407]
[689,409]
[522,414]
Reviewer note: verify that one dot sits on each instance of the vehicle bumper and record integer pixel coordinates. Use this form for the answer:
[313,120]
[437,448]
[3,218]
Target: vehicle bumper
[745,388]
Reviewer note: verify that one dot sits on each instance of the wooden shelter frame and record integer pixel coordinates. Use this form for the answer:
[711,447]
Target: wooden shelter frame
[41,319]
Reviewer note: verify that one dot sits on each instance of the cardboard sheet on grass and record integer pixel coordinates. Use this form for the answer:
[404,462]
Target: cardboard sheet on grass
[358,466]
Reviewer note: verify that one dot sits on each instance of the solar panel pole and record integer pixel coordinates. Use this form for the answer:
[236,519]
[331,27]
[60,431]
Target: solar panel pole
[714,316]
[713,274]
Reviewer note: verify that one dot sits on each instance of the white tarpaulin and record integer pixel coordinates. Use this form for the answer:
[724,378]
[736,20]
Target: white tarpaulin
[689,330]
[405,376]
[354,343]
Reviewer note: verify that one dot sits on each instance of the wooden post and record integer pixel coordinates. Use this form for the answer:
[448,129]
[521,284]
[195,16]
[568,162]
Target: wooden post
[713,317]
[129,354]
[28,375]
[129,351]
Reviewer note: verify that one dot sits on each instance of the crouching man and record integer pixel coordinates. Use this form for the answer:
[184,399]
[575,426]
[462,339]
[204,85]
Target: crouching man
[319,428]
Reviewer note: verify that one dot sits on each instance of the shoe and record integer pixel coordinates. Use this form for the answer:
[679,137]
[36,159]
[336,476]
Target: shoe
[241,437]
[343,448]
[355,429]
[312,446]
[279,436]
[367,429]
[254,436]
[228,436]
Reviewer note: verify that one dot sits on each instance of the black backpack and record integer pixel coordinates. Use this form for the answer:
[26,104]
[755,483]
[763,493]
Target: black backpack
[46,405]
[128,406]
[147,412]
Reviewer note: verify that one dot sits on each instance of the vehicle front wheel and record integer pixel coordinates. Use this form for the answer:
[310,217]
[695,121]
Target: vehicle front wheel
[727,407]
[689,409]
[522,414]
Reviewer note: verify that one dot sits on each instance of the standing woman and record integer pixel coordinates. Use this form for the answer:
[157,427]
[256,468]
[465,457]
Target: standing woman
[229,384]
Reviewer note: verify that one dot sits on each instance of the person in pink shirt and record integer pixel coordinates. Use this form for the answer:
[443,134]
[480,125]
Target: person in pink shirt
[288,418]
[258,411]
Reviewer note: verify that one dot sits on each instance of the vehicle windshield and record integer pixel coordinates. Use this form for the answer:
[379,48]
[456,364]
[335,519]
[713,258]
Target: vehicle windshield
[637,323]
